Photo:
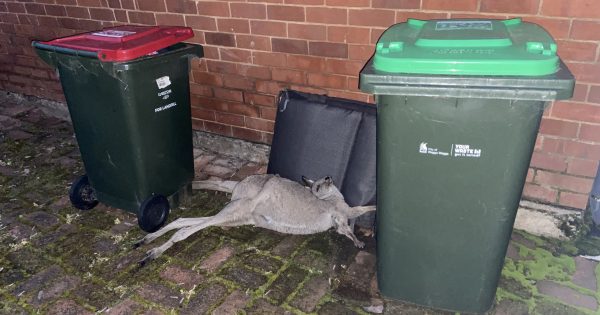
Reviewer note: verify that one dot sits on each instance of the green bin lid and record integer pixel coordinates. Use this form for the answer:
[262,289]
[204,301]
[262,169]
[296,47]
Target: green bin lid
[467,47]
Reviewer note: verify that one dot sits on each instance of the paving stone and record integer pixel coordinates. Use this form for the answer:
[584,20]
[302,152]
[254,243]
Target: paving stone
[513,252]
[262,307]
[200,162]
[510,307]
[125,307]
[335,308]
[585,275]
[122,228]
[8,171]
[216,259]
[244,277]
[67,307]
[19,232]
[261,262]
[356,282]
[233,304]
[545,307]
[567,295]
[286,283]
[39,280]
[183,277]
[160,294]
[54,290]
[95,294]
[218,171]
[205,299]
[288,245]
[519,238]
[48,238]
[15,109]
[105,246]
[42,220]
[8,123]
[393,307]
[311,293]
[18,135]
[515,287]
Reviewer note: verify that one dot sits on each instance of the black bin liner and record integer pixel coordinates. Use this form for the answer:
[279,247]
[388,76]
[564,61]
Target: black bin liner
[317,136]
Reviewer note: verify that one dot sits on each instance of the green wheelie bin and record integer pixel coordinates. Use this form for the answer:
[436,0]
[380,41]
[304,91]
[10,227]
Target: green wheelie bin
[459,103]
[127,90]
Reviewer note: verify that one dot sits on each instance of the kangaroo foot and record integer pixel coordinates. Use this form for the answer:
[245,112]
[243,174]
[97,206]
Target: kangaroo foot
[150,256]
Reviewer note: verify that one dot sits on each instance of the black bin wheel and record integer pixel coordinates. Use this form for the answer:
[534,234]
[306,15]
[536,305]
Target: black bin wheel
[153,213]
[82,194]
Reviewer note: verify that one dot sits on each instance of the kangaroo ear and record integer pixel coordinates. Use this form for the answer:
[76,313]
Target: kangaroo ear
[307,182]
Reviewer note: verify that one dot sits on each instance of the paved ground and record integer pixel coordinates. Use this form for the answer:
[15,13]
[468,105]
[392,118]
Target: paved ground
[55,259]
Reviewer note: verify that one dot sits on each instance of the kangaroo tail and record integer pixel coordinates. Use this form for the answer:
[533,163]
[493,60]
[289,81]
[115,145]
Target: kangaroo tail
[224,186]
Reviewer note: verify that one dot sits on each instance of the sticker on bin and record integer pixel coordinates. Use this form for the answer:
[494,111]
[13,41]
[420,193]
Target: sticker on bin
[160,109]
[463,25]
[163,82]
[113,33]
[456,150]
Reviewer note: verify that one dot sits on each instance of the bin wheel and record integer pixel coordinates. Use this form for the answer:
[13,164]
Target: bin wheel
[153,213]
[82,194]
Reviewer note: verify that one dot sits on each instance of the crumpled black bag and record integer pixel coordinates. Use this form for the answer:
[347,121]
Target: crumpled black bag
[317,136]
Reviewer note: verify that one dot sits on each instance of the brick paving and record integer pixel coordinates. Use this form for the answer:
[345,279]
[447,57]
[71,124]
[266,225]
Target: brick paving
[55,259]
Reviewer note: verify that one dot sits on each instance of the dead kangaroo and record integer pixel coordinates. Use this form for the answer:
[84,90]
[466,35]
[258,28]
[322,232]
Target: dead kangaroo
[270,202]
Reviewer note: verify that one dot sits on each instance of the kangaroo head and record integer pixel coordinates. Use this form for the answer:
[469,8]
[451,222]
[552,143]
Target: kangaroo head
[323,188]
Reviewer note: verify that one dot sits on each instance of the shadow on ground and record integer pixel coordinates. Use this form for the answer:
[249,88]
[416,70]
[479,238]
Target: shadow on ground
[59,260]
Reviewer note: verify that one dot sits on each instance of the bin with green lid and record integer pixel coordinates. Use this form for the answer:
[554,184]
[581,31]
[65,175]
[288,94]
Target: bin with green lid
[459,106]
[127,90]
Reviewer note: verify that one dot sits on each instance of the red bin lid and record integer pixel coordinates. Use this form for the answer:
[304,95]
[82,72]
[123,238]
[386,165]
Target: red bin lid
[127,42]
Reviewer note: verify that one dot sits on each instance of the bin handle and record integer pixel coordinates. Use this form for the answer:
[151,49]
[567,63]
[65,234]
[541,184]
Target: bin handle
[66,51]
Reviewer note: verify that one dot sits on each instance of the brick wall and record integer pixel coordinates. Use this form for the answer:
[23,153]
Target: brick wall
[255,48]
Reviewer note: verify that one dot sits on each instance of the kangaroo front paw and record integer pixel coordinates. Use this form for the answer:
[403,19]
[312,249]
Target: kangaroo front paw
[359,244]
[150,256]
[139,243]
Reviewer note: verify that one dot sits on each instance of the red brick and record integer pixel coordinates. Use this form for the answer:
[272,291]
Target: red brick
[403,16]
[182,6]
[78,12]
[227,94]
[235,55]
[204,114]
[585,30]
[307,31]
[243,109]
[583,167]
[372,17]
[292,46]
[548,162]
[353,83]
[552,145]
[305,2]
[559,128]
[396,4]
[568,199]
[589,133]
[582,150]
[564,182]
[233,25]
[360,52]
[125,4]
[288,76]
[203,90]
[64,2]
[151,5]
[327,81]
[218,128]
[253,42]
[103,14]
[48,21]
[254,71]
[286,13]
[268,28]
[577,51]
[248,10]
[270,87]
[349,35]
[35,8]
[268,113]
[312,64]
[15,7]
[347,67]
[576,111]
[536,192]
[580,93]
[141,17]
[121,16]
[585,72]
[169,19]
[220,39]
[268,59]
[230,119]
[201,22]
[594,94]
[207,78]
[213,8]
[237,81]
[55,10]
[259,124]
[558,28]
[248,134]
[325,49]
[530,175]
[211,52]
[361,97]
[520,7]
[451,5]
[259,99]
[327,15]
[572,8]
[376,34]
[348,3]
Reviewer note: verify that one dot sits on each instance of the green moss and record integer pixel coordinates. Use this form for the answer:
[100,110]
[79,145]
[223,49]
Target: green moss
[544,265]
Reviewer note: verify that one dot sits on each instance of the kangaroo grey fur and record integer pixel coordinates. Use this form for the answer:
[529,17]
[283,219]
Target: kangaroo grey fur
[270,202]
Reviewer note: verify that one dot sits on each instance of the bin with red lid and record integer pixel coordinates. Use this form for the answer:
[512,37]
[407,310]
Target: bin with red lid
[127,90]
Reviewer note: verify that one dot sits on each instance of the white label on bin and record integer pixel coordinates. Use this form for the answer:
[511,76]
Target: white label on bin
[465,150]
[463,25]
[163,82]
[425,149]
[160,109]
[165,94]
[113,33]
